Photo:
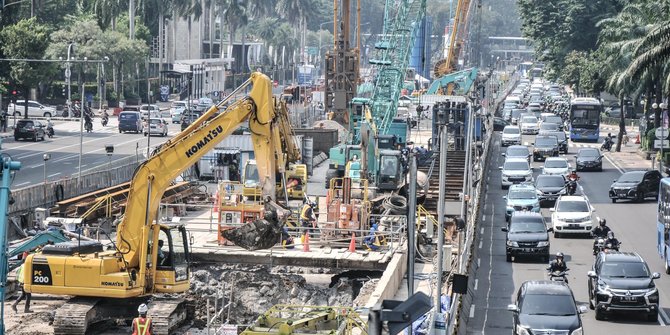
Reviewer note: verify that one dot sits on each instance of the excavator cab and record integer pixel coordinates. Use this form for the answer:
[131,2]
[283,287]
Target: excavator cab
[389,171]
[172,258]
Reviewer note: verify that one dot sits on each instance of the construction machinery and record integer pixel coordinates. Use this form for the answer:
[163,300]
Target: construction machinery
[456,83]
[373,124]
[307,320]
[348,208]
[149,257]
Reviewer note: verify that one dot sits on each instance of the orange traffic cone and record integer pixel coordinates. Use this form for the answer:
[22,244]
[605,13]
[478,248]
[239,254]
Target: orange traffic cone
[637,139]
[305,243]
[352,244]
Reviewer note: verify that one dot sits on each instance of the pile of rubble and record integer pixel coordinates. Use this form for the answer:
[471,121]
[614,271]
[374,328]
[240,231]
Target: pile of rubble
[257,288]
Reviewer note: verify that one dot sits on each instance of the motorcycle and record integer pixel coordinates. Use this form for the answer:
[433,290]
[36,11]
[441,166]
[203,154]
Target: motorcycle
[88,126]
[50,131]
[571,186]
[104,121]
[598,245]
[607,144]
[559,276]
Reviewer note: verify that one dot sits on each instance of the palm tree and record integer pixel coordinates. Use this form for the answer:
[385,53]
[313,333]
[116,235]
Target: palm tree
[298,11]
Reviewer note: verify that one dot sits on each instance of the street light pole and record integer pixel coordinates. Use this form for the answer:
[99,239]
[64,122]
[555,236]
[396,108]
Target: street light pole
[81,120]
[45,157]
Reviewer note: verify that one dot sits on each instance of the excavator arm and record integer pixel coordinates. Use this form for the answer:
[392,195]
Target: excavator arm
[152,178]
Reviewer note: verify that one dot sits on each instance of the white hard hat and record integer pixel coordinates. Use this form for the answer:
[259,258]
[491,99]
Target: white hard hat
[143,309]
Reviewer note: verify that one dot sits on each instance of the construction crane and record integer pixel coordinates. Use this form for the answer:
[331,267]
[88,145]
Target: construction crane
[456,36]
[109,284]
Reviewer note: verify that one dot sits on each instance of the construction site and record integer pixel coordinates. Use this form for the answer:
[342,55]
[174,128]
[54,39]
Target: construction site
[337,221]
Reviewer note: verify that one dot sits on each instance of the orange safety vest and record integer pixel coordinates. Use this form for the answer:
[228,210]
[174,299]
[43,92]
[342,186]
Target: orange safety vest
[141,326]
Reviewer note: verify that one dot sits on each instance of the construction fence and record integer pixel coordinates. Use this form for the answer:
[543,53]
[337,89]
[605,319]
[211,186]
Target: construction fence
[47,194]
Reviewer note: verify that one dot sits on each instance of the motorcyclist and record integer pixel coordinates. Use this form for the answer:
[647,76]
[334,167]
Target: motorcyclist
[105,117]
[612,242]
[558,264]
[573,175]
[601,229]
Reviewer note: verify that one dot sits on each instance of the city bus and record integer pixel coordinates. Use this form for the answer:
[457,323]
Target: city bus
[584,119]
[663,223]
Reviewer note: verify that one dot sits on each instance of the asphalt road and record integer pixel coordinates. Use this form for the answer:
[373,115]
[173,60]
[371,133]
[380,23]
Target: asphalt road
[497,281]
[64,151]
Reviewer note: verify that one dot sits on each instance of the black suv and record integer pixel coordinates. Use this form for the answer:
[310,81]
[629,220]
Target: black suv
[527,235]
[29,129]
[542,305]
[549,187]
[589,158]
[545,146]
[636,185]
[561,138]
[621,281]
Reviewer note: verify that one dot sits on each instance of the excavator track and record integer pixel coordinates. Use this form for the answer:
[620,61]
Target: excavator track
[74,316]
[167,315]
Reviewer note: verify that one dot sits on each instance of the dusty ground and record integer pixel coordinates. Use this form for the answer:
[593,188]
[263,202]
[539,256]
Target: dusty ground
[255,289]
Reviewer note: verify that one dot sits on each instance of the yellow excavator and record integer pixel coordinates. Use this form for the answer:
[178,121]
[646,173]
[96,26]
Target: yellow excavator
[149,257]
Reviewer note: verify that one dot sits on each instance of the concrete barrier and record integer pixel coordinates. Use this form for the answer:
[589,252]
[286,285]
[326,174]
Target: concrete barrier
[391,279]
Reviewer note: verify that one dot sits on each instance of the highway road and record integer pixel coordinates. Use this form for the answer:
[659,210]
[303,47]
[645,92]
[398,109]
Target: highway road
[64,150]
[497,281]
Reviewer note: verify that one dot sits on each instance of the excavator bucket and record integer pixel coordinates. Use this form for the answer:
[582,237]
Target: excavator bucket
[256,235]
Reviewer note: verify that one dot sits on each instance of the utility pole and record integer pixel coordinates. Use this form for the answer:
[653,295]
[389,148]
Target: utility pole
[7,167]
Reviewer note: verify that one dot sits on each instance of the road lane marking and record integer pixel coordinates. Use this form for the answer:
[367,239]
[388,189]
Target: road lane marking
[480,244]
[24,183]
[662,316]
[485,206]
[472,311]
[53,175]
[35,166]
[481,231]
[479,262]
[484,218]
[476,284]
[621,170]
[488,292]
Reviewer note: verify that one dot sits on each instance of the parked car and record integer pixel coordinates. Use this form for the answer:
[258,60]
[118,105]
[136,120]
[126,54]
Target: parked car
[516,171]
[521,197]
[510,135]
[545,146]
[156,126]
[527,235]
[621,281]
[29,129]
[35,109]
[517,151]
[546,307]
[130,121]
[549,187]
[636,185]
[572,214]
[589,158]
[556,165]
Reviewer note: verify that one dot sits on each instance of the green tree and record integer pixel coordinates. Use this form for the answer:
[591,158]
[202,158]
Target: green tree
[27,39]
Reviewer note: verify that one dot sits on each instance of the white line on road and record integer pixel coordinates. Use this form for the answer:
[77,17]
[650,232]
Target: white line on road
[485,206]
[35,166]
[472,311]
[662,316]
[479,261]
[484,218]
[481,231]
[24,183]
[615,165]
[488,293]
[480,244]
[53,175]
[476,284]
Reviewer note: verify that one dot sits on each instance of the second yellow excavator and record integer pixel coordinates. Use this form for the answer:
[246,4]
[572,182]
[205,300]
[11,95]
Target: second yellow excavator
[148,257]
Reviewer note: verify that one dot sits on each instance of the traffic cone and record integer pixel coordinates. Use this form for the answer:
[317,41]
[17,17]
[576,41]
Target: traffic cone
[637,139]
[305,244]
[352,244]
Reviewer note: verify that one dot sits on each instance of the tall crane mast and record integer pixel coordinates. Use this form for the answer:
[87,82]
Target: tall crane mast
[342,64]
[456,34]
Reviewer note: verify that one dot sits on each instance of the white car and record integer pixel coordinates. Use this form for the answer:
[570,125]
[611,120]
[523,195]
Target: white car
[556,165]
[572,214]
[34,109]
[149,109]
[529,125]
[510,135]
[156,127]
[516,171]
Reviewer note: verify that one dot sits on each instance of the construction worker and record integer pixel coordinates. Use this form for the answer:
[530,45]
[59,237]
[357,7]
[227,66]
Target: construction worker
[24,294]
[142,324]
[286,239]
[307,218]
[374,240]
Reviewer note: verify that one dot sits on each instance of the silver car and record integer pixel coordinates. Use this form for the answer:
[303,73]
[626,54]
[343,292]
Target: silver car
[155,127]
